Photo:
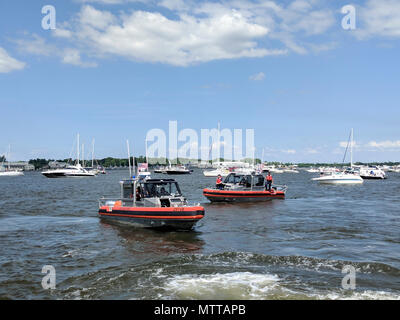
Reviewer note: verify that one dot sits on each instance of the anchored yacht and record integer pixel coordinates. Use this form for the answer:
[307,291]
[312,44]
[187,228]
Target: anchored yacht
[349,176]
[70,171]
[372,172]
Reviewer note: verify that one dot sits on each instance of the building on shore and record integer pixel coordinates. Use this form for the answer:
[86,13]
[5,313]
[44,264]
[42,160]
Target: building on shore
[19,165]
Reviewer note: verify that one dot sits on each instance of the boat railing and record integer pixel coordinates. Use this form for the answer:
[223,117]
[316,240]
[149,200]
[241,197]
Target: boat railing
[111,201]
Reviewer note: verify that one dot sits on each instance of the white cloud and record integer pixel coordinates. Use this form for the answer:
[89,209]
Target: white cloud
[152,37]
[35,45]
[198,32]
[258,76]
[311,151]
[72,56]
[344,144]
[8,63]
[378,18]
[289,151]
[384,144]
[39,46]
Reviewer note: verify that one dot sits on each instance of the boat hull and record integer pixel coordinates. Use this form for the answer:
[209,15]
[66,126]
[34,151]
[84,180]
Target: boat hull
[215,195]
[178,172]
[177,218]
[11,174]
[339,181]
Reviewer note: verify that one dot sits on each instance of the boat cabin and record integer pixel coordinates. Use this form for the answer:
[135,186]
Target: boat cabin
[244,181]
[151,193]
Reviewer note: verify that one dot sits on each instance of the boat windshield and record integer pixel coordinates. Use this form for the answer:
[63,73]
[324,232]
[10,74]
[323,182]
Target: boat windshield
[245,180]
[233,178]
[161,189]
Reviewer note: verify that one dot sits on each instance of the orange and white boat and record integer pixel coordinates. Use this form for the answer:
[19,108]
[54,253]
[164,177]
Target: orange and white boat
[242,188]
[151,203]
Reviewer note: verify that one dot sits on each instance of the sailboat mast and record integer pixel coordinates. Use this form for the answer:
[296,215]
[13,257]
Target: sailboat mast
[351,149]
[83,155]
[8,157]
[93,154]
[77,151]
[219,143]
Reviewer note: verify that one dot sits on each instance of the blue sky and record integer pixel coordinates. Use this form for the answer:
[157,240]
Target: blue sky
[114,69]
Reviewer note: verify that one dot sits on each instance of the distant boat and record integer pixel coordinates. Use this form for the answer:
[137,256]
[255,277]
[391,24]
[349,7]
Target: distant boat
[339,178]
[349,176]
[12,173]
[70,171]
[215,173]
[290,170]
[143,170]
[372,172]
[178,169]
[8,172]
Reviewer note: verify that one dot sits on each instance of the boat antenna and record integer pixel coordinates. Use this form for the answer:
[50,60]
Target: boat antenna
[129,159]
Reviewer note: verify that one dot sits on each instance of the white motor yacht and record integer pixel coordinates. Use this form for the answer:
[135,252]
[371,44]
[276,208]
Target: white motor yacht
[11,173]
[339,178]
[178,169]
[372,172]
[215,173]
[69,171]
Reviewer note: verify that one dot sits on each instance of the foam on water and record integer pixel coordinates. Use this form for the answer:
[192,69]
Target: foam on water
[238,285]
[252,286]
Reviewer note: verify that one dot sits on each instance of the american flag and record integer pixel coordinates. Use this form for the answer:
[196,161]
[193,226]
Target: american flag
[143,166]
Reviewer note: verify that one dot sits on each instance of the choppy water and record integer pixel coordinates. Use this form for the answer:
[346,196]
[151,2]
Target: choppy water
[282,249]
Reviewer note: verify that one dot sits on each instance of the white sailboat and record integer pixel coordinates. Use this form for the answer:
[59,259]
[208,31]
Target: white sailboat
[349,176]
[8,172]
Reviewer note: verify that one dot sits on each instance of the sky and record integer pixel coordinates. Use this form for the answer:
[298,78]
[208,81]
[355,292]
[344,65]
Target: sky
[112,70]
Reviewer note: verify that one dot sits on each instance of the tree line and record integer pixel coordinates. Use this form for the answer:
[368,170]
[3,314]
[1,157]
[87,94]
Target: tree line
[124,162]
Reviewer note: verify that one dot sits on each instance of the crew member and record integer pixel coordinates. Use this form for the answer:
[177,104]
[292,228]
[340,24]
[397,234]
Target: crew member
[269,181]
[219,183]
[138,195]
